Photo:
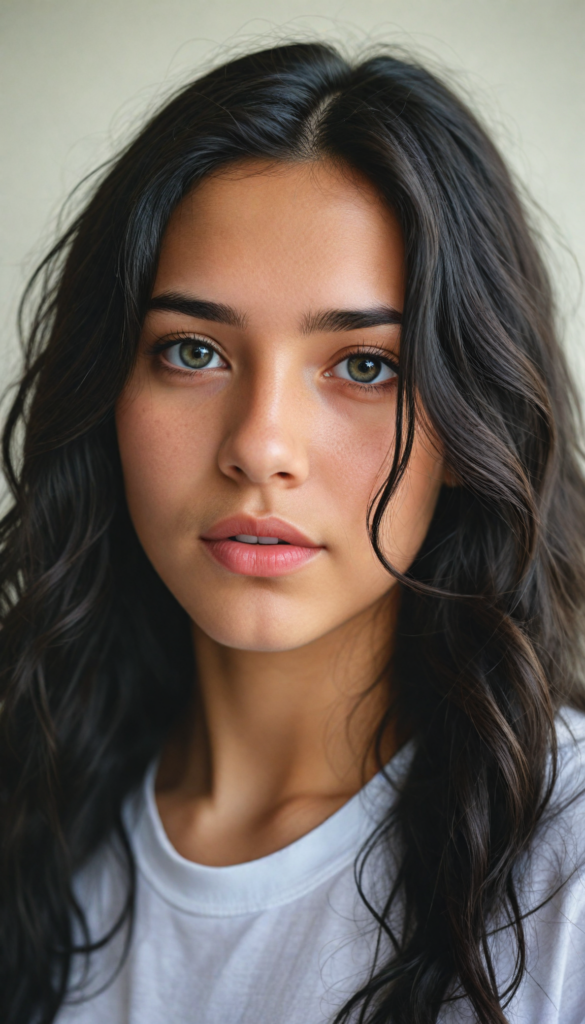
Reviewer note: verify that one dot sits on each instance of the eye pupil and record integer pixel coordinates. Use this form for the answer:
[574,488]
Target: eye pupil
[364,369]
[195,355]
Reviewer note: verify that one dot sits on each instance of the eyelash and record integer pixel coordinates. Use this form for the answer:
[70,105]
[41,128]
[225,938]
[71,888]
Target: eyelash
[162,346]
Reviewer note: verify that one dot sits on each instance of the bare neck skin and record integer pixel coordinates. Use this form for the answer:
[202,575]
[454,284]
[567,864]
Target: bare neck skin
[276,741]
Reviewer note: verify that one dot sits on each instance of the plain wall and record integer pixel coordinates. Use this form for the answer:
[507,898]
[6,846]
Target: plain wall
[77,76]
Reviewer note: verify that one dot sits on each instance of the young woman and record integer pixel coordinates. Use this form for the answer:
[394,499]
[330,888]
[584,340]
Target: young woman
[293,577]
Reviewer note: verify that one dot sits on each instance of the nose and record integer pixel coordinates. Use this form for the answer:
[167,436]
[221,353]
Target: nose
[265,440]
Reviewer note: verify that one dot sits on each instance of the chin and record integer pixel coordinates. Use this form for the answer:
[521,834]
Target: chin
[247,629]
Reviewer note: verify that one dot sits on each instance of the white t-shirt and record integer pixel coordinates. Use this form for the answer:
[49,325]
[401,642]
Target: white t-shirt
[286,939]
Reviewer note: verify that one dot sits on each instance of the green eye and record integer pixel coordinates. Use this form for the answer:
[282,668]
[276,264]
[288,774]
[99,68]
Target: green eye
[364,368]
[194,355]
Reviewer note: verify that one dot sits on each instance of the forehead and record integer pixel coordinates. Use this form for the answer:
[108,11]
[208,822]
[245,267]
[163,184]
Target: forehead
[307,234]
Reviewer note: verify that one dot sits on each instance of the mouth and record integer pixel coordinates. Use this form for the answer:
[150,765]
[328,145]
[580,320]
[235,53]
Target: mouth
[244,538]
[249,546]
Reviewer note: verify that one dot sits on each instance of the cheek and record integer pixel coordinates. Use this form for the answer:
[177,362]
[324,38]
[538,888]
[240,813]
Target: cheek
[353,456]
[163,454]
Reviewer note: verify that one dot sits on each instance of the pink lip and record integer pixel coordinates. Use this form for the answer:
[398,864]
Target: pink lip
[259,559]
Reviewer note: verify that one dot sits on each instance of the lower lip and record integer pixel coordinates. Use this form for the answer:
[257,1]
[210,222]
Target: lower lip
[260,559]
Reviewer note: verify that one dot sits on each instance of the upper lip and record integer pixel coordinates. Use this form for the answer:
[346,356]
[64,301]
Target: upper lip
[270,526]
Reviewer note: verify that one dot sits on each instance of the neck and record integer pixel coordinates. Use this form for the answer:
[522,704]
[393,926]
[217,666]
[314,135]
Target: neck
[276,741]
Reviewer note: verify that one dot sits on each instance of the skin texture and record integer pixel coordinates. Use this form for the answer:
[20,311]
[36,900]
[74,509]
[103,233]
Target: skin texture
[278,738]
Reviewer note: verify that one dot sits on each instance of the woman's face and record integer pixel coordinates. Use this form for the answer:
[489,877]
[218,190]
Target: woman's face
[259,420]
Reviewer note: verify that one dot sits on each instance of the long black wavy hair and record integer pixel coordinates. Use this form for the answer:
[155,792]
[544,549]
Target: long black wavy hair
[95,658]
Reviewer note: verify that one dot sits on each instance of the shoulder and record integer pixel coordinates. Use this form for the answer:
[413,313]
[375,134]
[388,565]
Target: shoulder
[558,848]
[550,878]
[551,890]
[570,728]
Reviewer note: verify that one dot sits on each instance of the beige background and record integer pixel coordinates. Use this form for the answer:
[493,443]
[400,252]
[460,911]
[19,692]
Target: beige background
[76,76]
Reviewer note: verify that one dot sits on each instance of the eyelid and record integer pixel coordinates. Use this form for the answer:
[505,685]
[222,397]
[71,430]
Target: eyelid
[180,336]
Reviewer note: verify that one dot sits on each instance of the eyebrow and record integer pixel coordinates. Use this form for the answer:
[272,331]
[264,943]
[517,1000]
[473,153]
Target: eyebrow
[325,320]
[201,309]
[350,319]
